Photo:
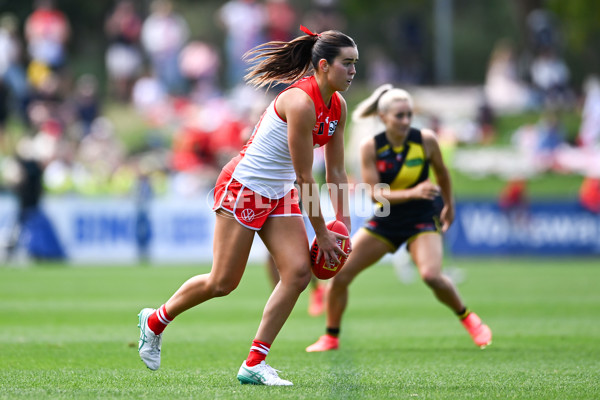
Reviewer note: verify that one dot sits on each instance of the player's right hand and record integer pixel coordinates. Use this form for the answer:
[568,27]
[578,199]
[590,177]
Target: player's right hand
[426,190]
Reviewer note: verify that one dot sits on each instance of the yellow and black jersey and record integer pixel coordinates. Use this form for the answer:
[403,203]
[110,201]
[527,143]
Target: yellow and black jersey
[403,167]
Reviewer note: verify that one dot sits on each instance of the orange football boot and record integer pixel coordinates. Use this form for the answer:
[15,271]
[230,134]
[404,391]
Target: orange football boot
[480,333]
[325,343]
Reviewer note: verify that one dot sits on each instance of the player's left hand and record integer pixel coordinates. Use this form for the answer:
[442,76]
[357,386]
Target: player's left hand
[447,217]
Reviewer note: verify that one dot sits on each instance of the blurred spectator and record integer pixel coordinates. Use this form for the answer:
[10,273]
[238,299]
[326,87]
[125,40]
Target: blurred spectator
[47,31]
[143,195]
[100,154]
[412,48]
[485,120]
[542,29]
[32,228]
[48,140]
[380,67]
[513,195]
[44,114]
[504,89]
[86,101]
[324,15]
[412,70]
[14,89]
[550,76]
[245,108]
[243,22]
[48,108]
[542,139]
[123,56]
[589,140]
[199,63]
[589,132]
[101,146]
[164,33]
[150,99]
[58,172]
[537,149]
[589,194]
[191,143]
[281,20]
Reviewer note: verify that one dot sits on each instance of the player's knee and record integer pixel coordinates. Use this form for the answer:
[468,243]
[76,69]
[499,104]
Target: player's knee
[303,278]
[298,278]
[340,282]
[222,288]
[432,277]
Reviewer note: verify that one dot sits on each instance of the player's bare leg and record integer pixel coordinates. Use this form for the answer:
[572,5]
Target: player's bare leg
[316,302]
[427,253]
[285,237]
[366,250]
[227,270]
[272,270]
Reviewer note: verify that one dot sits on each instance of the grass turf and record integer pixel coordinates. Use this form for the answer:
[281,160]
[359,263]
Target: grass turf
[71,333]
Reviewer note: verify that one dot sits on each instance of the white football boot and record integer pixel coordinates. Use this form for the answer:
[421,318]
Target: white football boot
[149,343]
[261,374]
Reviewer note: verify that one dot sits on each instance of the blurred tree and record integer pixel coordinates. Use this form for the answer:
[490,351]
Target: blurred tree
[581,28]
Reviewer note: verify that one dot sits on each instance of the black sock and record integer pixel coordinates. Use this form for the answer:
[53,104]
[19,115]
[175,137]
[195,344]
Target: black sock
[462,314]
[335,332]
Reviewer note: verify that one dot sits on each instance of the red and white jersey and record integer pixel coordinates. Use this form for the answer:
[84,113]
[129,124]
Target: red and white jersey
[265,164]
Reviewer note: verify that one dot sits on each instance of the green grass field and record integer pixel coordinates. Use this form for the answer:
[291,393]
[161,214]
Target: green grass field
[71,333]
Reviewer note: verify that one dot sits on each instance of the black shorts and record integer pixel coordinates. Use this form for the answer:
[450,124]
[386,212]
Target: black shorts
[395,231]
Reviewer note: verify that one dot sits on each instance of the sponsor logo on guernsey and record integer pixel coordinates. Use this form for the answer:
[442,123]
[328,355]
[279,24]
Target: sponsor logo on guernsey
[383,166]
[414,162]
[332,126]
[247,215]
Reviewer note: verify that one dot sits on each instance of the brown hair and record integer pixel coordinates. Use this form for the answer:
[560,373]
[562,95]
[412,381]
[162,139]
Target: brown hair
[285,62]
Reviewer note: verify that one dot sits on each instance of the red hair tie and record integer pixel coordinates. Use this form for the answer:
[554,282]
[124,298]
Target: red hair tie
[308,32]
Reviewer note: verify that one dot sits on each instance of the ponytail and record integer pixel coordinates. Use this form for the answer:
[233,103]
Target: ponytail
[368,107]
[380,100]
[282,62]
[285,62]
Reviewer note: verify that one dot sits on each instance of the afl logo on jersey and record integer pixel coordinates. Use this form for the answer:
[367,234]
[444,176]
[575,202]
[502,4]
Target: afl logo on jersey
[332,126]
[247,215]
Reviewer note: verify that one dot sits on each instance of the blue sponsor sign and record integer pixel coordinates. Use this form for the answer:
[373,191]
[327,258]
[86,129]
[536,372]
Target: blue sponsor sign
[545,228]
[191,229]
[96,229]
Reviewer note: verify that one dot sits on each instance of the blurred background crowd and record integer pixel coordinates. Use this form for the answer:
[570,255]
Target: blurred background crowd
[146,98]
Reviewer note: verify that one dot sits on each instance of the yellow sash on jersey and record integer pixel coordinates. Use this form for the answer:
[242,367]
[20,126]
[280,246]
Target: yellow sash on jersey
[411,168]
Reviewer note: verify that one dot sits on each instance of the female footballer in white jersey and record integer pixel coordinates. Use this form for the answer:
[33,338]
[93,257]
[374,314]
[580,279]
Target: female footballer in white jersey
[255,191]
